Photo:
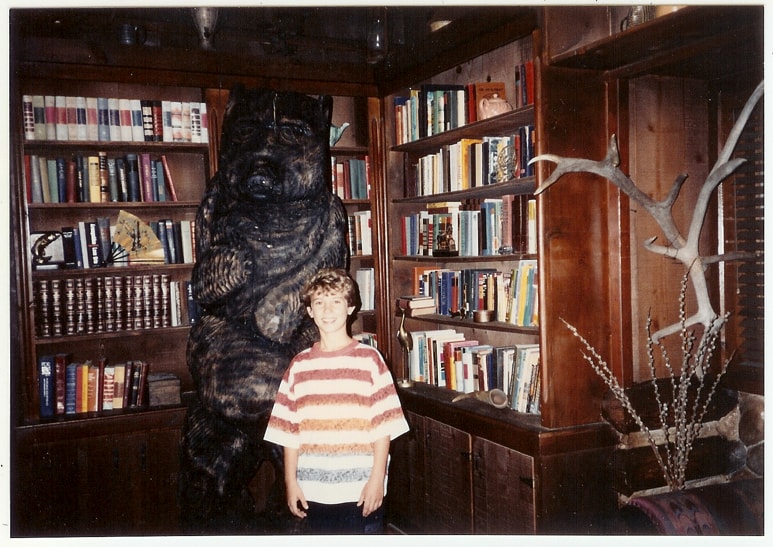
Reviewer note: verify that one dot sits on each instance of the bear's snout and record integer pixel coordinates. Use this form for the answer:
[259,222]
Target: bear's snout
[263,179]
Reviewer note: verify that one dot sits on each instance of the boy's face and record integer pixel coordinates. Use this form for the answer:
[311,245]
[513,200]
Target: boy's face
[329,311]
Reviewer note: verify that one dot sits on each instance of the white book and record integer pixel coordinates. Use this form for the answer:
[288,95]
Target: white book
[204,123]
[166,117]
[92,119]
[125,117]
[82,128]
[138,132]
[29,118]
[187,241]
[62,129]
[114,115]
[49,102]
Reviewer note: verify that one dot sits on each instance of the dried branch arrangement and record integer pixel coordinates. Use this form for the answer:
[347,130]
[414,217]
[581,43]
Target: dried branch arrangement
[682,421]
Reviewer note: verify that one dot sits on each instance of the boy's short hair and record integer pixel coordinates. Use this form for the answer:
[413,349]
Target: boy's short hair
[330,280]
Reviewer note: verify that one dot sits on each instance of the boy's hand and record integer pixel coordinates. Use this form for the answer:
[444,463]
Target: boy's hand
[372,496]
[296,501]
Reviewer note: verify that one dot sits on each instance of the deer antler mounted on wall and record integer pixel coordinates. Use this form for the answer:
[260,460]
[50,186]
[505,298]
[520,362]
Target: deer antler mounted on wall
[680,247]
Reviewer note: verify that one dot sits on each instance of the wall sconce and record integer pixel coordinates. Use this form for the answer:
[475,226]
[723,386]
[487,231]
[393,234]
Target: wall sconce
[206,21]
[376,39]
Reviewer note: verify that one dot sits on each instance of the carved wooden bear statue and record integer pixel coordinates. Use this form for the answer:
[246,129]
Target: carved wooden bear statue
[267,223]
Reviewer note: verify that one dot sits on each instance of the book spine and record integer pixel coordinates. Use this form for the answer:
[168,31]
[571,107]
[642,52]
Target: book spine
[104,178]
[28,113]
[103,119]
[186,121]
[146,178]
[69,305]
[95,189]
[49,104]
[168,178]
[158,121]
[39,117]
[62,132]
[195,122]
[204,123]
[82,131]
[133,177]
[57,317]
[114,115]
[138,133]
[125,119]
[46,386]
[166,117]
[71,110]
[70,386]
[92,119]
[147,119]
[93,247]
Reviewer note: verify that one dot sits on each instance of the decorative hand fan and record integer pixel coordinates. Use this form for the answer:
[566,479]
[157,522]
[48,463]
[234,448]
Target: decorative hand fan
[134,241]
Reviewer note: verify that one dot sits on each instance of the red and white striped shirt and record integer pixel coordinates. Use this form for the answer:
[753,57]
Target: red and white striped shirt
[333,406]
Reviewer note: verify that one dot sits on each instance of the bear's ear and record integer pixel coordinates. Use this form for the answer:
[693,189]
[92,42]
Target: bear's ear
[234,97]
[326,107]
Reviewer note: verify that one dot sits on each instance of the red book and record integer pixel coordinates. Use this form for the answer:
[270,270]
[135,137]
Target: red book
[168,178]
[528,83]
[146,178]
[70,192]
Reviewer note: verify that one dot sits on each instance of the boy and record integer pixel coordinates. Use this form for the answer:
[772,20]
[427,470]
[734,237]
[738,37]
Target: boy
[335,414]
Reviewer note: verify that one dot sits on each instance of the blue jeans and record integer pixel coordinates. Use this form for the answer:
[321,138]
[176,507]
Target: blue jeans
[342,518]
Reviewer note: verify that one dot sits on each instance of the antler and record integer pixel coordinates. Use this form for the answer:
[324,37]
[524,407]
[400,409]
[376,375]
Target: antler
[683,249]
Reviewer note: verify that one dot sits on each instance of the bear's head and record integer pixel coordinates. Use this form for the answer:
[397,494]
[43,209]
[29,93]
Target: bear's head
[275,145]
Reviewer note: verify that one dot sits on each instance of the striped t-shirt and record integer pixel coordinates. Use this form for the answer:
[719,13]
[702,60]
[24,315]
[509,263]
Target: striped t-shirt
[332,406]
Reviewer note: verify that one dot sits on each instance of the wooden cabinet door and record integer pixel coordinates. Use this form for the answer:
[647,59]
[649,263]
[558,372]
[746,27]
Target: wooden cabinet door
[111,483]
[406,492]
[448,482]
[45,501]
[160,505]
[503,489]
[131,483]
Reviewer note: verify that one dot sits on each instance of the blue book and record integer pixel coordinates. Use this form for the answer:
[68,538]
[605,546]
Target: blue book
[46,385]
[70,386]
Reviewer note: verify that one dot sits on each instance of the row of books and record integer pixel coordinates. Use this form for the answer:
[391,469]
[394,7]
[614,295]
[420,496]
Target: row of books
[524,84]
[96,304]
[98,178]
[512,295]
[472,227]
[473,163]
[432,109]
[101,242]
[110,119]
[445,358]
[351,177]
[68,387]
[360,233]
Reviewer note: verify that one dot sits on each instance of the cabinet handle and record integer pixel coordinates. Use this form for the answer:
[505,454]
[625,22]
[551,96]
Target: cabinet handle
[143,456]
[116,459]
[528,481]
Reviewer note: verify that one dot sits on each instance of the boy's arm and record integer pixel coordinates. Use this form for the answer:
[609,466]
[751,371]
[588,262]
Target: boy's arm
[372,495]
[292,488]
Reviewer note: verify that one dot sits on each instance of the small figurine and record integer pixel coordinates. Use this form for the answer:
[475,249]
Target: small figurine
[39,256]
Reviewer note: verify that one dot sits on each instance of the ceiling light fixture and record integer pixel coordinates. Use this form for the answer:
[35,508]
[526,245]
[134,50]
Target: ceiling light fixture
[206,22]
[376,39]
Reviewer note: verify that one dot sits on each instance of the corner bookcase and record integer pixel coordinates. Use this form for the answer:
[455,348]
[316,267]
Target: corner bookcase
[105,454]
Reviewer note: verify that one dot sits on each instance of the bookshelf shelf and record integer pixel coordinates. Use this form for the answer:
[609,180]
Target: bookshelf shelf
[116,146]
[496,125]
